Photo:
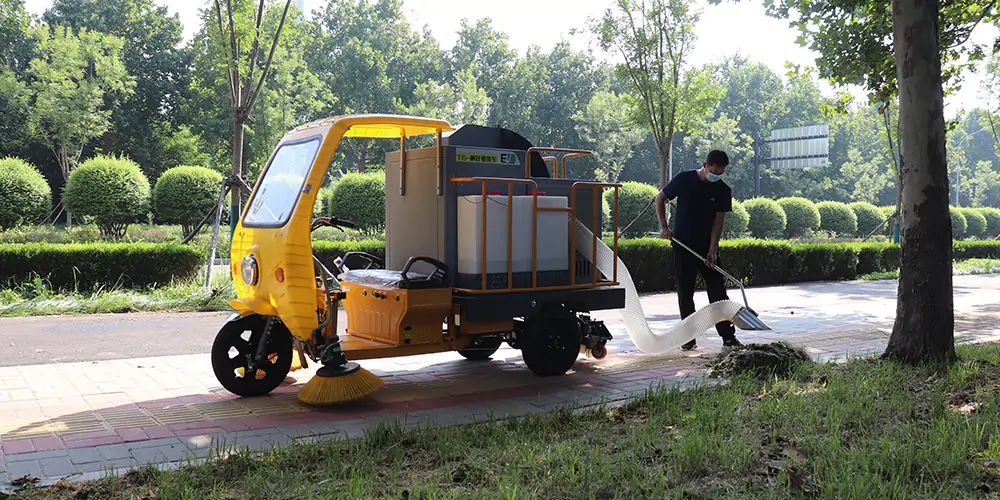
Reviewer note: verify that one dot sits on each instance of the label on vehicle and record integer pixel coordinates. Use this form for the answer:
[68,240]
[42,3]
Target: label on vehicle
[496,158]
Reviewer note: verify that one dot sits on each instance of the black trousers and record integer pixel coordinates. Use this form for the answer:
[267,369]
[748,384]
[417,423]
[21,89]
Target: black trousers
[687,268]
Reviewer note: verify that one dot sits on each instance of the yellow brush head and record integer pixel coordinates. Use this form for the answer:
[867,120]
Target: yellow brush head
[296,362]
[326,390]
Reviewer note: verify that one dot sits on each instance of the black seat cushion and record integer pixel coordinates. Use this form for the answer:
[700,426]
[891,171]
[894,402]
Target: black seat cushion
[391,279]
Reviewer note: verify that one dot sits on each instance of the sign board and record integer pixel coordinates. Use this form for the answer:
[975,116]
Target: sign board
[487,156]
[800,147]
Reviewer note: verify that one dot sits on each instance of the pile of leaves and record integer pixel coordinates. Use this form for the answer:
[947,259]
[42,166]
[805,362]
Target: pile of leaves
[777,358]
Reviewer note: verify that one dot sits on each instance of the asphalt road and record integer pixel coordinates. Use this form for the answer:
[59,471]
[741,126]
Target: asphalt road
[66,339]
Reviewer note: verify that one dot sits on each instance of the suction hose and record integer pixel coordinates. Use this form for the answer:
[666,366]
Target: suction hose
[635,320]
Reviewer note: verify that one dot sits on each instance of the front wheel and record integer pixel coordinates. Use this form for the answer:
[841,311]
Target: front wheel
[234,348]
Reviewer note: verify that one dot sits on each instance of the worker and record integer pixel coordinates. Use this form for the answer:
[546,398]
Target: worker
[703,199]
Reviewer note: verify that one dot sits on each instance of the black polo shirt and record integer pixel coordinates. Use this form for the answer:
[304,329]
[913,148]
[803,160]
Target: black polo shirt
[698,202]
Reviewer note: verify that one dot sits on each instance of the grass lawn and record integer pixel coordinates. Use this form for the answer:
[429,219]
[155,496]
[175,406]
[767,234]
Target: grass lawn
[960,268]
[860,429]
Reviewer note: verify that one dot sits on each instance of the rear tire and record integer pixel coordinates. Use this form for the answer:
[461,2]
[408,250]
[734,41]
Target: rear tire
[241,335]
[481,348]
[550,342]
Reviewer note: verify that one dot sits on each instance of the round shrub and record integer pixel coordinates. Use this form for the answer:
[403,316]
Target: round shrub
[959,224]
[184,194]
[360,198]
[802,215]
[736,222]
[992,216]
[25,196]
[112,190]
[869,217]
[975,223]
[632,198]
[837,217]
[767,218]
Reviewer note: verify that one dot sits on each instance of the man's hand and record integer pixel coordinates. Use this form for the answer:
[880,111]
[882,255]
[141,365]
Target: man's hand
[711,257]
[666,234]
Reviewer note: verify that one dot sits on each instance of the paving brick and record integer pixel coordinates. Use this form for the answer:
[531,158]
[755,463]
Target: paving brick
[113,452]
[38,455]
[84,455]
[27,468]
[162,453]
[56,467]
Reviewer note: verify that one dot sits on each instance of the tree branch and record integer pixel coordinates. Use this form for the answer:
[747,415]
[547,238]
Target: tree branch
[256,45]
[267,66]
[229,58]
[235,52]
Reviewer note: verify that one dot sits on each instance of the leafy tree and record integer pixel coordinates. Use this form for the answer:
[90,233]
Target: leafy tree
[654,39]
[459,102]
[605,123]
[71,80]
[143,125]
[241,29]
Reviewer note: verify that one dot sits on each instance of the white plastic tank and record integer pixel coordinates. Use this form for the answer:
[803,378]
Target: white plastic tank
[553,234]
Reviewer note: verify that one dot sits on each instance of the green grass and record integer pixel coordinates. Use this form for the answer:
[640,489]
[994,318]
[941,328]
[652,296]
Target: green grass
[36,299]
[860,429]
[961,268]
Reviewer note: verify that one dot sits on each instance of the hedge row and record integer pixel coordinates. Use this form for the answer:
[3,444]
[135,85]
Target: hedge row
[756,262]
[649,261]
[87,266]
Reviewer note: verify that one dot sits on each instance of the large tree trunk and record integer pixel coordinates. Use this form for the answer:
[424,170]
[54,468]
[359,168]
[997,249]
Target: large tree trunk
[925,316]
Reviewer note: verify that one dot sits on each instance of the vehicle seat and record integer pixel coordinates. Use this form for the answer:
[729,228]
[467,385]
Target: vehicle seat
[395,279]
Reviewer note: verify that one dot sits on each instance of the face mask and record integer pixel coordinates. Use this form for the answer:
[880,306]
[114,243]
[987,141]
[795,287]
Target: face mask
[712,177]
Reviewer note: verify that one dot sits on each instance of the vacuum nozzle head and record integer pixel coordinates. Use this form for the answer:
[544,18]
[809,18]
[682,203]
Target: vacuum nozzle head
[746,319]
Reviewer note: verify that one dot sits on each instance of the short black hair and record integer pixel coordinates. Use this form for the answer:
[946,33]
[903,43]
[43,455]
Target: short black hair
[716,157]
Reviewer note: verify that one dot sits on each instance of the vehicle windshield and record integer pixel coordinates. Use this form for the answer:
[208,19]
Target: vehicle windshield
[278,192]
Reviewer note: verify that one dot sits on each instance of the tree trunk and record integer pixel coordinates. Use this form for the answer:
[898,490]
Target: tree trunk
[664,161]
[925,316]
[234,206]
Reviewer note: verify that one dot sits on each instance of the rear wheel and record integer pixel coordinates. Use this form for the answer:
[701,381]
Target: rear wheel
[481,348]
[235,346]
[550,342]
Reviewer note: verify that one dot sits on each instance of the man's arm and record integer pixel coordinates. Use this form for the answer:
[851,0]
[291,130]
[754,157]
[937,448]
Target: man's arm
[717,224]
[662,215]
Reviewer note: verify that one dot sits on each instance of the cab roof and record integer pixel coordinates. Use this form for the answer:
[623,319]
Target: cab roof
[381,126]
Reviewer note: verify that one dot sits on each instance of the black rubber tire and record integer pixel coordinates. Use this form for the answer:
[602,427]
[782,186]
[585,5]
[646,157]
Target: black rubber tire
[550,342]
[481,348]
[231,335]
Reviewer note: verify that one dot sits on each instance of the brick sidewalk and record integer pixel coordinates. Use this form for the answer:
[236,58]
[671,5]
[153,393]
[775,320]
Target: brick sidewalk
[79,420]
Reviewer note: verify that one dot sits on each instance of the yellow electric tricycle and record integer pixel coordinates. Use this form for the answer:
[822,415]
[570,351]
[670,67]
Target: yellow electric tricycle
[482,247]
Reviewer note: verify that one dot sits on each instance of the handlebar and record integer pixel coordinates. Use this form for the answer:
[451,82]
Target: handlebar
[332,222]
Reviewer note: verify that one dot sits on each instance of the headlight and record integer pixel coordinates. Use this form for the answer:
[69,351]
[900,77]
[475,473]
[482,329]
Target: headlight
[249,268]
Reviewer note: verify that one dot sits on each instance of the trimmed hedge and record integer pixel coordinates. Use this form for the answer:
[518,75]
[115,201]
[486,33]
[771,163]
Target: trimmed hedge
[767,218]
[184,194]
[975,222]
[360,199]
[838,218]
[869,217]
[736,222]
[802,215]
[25,195]
[112,190]
[632,198]
[87,266]
[992,216]
[959,224]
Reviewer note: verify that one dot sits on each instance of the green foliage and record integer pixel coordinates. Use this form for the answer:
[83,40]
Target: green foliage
[328,251]
[607,123]
[824,262]
[869,217]
[975,223]
[837,218]
[959,224]
[73,79]
[992,217]
[86,266]
[802,216]
[736,222]
[632,198]
[360,198]
[112,190]
[767,218]
[184,194]
[25,195]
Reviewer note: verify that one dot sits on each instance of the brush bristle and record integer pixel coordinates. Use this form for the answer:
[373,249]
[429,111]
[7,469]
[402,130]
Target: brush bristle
[296,363]
[344,389]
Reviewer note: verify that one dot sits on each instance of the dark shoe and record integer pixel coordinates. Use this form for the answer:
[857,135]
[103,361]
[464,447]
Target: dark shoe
[690,345]
[732,342]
